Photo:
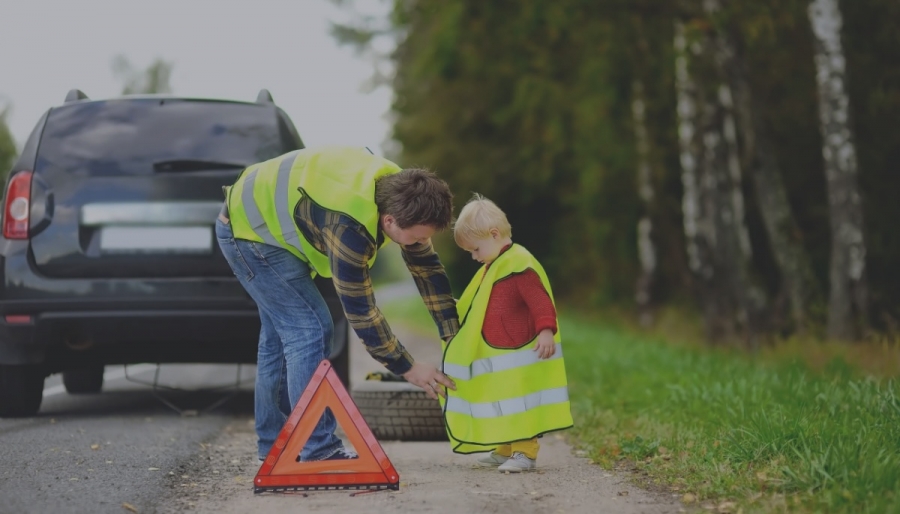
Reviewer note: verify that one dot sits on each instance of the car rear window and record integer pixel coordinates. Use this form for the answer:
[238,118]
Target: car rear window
[127,137]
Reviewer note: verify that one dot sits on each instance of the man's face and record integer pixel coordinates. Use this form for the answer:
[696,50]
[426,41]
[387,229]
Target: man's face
[405,236]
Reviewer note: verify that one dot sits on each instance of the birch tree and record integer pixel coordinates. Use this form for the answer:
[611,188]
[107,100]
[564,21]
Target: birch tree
[713,201]
[758,157]
[647,255]
[847,274]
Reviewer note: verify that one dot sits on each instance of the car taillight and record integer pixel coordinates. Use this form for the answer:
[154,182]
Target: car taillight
[18,206]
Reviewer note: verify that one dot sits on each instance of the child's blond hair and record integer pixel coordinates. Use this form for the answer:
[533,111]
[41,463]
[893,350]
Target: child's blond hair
[477,218]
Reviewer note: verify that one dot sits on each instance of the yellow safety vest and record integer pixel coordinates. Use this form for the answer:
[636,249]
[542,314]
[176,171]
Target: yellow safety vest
[261,203]
[502,395]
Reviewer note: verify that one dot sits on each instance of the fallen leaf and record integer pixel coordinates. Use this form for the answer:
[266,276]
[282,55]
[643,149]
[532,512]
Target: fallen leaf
[73,479]
[688,498]
[623,493]
[726,507]
[109,462]
[152,469]
[95,446]
[128,506]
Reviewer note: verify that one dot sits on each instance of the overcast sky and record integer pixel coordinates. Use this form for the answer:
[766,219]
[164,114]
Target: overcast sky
[220,49]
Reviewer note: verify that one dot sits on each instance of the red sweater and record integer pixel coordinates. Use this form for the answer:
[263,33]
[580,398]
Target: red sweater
[518,310]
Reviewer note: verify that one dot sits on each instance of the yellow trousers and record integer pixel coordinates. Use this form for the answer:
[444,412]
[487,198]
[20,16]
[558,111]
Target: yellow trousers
[527,447]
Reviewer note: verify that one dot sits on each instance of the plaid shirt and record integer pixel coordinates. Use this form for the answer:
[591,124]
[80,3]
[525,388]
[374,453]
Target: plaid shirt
[349,248]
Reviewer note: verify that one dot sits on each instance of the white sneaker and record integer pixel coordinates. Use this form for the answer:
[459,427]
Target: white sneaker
[517,464]
[492,460]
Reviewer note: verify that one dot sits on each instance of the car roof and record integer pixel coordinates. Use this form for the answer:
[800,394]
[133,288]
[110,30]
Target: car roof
[164,97]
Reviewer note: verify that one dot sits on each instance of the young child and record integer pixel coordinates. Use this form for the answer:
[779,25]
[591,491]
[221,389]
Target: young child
[506,359]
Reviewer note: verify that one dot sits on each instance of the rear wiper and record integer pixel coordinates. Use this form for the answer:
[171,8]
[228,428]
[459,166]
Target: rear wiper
[196,165]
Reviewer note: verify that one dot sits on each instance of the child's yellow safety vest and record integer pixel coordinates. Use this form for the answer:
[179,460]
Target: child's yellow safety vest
[503,395]
[261,203]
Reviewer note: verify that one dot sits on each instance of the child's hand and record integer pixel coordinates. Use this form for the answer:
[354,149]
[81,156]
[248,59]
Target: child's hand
[545,346]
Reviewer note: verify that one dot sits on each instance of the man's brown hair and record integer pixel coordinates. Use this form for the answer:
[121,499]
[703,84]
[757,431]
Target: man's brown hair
[415,197]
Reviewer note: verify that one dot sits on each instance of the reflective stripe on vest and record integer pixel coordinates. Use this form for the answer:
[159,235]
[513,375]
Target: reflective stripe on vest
[509,406]
[511,360]
[253,215]
[289,232]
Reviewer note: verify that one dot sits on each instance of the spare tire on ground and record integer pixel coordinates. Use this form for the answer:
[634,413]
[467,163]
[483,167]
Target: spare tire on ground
[399,411]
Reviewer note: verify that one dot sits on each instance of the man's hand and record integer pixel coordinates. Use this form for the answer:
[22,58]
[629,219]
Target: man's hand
[545,346]
[430,379]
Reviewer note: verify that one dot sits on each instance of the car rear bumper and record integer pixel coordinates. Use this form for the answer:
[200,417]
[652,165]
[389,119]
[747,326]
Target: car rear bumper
[63,339]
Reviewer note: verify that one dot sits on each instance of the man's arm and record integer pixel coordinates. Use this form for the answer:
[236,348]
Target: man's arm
[434,286]
[349,252]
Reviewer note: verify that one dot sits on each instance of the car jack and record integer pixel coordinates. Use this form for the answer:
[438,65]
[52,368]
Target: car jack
[230,391]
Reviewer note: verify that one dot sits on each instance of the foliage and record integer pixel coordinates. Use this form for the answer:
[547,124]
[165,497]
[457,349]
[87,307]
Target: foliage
[154,79]
[529,104]
[7,147]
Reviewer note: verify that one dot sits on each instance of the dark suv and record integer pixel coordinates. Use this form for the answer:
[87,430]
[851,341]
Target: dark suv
[107,254]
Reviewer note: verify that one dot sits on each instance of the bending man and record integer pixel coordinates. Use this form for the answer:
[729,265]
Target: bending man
[327,212]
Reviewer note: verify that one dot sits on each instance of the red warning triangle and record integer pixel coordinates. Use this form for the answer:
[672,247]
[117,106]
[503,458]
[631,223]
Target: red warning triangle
[280,471]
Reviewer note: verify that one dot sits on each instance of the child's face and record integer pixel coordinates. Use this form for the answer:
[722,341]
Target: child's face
[487,249]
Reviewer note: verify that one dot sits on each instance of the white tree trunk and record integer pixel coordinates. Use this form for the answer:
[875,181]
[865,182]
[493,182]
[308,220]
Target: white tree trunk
[646,248]
[686,92]
[848,289]
[713,201]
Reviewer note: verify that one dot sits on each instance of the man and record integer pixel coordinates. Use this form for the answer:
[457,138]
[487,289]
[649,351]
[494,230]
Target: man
[327,212]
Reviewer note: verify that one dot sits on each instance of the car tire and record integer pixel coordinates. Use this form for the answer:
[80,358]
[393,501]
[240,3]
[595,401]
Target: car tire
[399,411]
[21,390]
[83,380]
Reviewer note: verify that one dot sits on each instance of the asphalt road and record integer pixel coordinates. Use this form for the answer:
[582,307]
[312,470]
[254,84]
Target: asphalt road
[123,448]
[131,446]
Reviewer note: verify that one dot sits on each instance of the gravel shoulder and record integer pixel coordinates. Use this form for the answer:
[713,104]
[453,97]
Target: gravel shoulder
[432,478]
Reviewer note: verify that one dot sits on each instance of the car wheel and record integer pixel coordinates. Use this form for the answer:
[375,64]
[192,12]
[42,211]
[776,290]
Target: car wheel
[400,411]
[21,390]
[83,380]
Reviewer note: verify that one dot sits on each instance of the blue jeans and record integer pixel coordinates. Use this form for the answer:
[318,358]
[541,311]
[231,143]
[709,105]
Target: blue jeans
[296,335]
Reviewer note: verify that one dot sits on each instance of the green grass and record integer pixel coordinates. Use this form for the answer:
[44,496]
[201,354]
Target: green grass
[771,434]
[410,312]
